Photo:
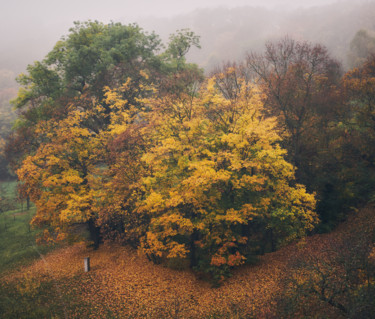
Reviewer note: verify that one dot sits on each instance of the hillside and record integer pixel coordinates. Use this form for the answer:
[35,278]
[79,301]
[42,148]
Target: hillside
[228,34]
[122,284]
[332,23]
[223,185]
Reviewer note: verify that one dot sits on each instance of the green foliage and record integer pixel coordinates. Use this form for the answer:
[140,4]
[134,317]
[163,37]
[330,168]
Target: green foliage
[92,56]
[180,44]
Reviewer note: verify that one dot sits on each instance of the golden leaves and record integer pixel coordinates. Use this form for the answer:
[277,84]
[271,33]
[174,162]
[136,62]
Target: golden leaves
[60,175]
[218,168]
[181,169]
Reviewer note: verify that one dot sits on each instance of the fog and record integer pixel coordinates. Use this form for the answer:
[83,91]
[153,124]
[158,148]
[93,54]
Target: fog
[30,28]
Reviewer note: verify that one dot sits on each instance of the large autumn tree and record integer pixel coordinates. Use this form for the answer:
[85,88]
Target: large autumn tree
[200,178]
[59,176]
[218,189]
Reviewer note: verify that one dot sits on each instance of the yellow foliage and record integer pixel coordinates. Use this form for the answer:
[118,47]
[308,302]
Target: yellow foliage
[224,154]
[172,171]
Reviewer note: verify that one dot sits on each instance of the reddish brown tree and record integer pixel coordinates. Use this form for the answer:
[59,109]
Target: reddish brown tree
[300,81]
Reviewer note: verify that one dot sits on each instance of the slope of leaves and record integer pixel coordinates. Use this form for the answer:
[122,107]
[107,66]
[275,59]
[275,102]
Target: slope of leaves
[122,284]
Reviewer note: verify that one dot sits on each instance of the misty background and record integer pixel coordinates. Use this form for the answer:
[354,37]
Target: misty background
[29,29]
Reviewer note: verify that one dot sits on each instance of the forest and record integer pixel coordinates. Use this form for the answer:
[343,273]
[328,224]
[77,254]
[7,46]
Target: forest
[120,142]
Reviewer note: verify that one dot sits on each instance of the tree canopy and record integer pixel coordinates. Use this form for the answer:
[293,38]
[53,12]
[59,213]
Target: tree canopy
[170,176]
[209,172]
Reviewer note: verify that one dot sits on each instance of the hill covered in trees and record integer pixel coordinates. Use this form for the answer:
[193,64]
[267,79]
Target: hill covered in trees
[142,148]
[331,23]
[227,34]
[122,140]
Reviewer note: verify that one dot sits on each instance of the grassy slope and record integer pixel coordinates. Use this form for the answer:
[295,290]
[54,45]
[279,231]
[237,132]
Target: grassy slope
[17,239]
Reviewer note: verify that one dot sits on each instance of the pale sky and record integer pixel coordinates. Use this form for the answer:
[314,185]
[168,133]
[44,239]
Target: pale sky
[69,10]
[19,17]
[35,26]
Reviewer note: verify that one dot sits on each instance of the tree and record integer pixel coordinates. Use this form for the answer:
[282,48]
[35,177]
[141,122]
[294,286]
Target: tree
[180,44]
[357,152]
[218,183]
[301,83]
[59,177]
[66,175]
[75,104]
[361,47]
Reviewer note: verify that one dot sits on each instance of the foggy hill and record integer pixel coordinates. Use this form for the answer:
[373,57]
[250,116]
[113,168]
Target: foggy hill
[226,34]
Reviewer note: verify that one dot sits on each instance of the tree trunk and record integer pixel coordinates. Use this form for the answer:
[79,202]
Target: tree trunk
[193,257]
[94,233]
[271,239]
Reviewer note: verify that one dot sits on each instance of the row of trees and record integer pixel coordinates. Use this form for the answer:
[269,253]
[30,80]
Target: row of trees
[138,145]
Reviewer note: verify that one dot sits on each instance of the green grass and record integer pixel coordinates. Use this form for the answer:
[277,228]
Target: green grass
[17,238]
